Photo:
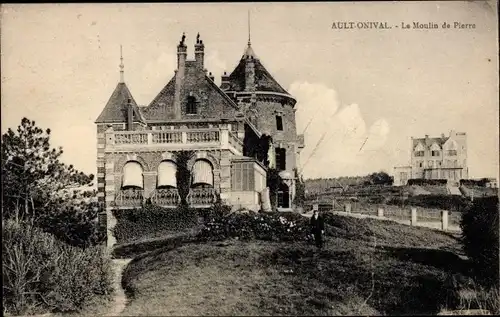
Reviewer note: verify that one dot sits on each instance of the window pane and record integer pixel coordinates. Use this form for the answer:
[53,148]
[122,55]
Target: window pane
[279,123]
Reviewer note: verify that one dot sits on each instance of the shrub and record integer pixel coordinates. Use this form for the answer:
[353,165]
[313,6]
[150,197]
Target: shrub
[151,220]
[474,182]
[75,225]
[275,226]
[480,239]
[42,274]
[421,181]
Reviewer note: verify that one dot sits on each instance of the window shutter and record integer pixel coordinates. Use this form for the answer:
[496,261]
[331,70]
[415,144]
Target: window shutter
[132,175]
[203,173]
[166,174]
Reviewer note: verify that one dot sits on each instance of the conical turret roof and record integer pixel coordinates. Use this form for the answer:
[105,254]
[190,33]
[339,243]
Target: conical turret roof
[115,109]
[264,81]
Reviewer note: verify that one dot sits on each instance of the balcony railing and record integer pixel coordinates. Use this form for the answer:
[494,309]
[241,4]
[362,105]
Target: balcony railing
[129,138]
[235,141]
[129,198]
[201,196]
[203,136]
[168,197]
[174,138]
[167,137]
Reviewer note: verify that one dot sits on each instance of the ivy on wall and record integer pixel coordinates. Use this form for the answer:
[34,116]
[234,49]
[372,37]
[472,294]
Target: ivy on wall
[300,190]
[256,147]
[273,182]
[183,174]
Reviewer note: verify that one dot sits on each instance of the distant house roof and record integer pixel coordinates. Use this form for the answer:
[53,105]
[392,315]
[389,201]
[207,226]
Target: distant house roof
[115,110]
[263,79]
[428,142]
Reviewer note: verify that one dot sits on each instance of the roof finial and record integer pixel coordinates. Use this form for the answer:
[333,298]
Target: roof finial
[249,27]
[183,38]
[122,77]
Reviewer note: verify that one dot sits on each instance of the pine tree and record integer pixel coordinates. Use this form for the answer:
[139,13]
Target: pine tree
[38,187]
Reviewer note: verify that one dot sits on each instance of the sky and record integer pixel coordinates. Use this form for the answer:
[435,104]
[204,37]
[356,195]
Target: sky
[362,93]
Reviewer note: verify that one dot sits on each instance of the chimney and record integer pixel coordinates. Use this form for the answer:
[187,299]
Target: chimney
[179,75]
[426,136]
[224,82]
[181,53]
[249,73]
[199,52]
[453,133]
[442,135]
[130,115]
[212,78]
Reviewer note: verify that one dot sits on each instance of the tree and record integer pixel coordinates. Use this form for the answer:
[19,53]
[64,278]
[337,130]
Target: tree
[40,188]
[380,178]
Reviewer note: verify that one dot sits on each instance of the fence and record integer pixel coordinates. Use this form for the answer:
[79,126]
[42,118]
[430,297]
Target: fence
[439,219]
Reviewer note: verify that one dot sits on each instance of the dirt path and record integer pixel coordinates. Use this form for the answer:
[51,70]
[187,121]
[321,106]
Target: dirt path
[120,300]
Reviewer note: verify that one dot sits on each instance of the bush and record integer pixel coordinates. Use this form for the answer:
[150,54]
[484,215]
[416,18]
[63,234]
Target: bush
[275,226]
[41,274]
[474,182]
[422,181]
[75,225]
[480,239]
[151,220]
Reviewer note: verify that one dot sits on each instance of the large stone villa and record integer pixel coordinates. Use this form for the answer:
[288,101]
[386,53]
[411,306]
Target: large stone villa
[137,146]
[443,157]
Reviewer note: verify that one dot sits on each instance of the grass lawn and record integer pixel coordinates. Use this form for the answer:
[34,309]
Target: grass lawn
[367,267]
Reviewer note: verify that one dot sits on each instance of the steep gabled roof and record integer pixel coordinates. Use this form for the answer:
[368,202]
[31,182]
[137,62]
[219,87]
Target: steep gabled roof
[263,79]
[155,109]
[428,142]
[162,105]
[115,110]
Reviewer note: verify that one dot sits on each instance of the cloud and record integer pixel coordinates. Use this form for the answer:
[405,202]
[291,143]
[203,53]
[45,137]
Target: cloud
[160,69]
[215,65]
[338,141]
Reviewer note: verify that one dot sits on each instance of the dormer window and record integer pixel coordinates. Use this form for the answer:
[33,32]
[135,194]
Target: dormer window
[279,123]
[191,106]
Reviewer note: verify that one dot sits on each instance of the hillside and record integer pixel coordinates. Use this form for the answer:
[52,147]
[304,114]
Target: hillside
[367,267]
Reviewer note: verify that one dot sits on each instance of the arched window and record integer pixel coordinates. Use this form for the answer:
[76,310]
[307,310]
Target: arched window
[132,175]
[167,175]
[203,173]
[191,105]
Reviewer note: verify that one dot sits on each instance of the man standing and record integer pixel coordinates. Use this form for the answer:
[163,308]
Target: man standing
[317,228]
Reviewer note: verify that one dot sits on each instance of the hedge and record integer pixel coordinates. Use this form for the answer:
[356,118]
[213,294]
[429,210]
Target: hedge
[42,274]
[150,221]
[273,226]
[421,181]
[480,239]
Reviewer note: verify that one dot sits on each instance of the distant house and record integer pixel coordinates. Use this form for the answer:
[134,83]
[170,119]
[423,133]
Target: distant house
[443,157]
[401,175]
